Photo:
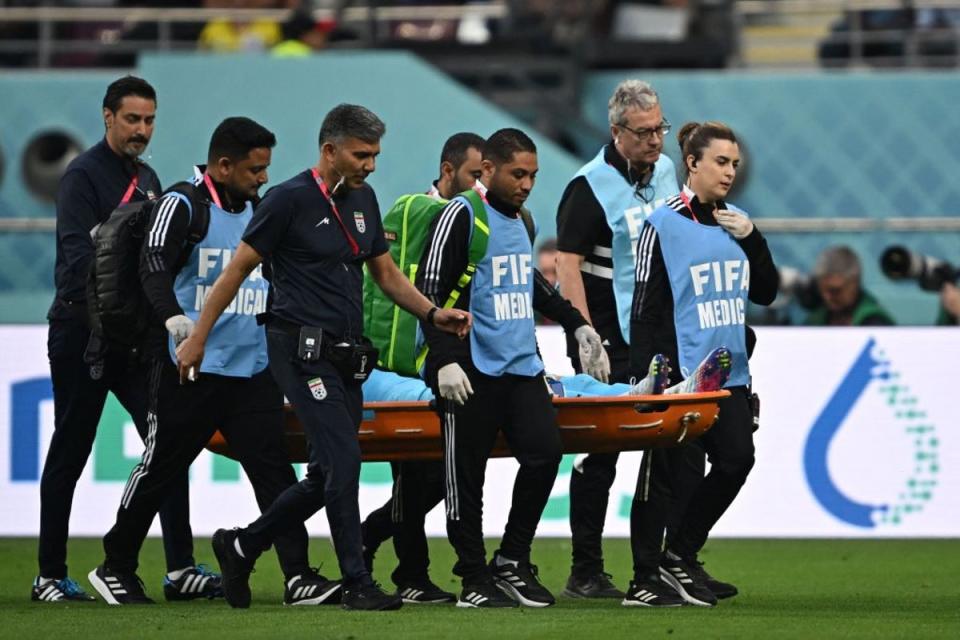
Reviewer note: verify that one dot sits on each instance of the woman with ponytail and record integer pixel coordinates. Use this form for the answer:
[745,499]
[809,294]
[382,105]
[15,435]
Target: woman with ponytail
[699,260]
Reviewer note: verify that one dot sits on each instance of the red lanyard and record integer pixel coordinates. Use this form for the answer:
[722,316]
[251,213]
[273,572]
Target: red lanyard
[130,189]
[213,190]
[354,247]
[686,201]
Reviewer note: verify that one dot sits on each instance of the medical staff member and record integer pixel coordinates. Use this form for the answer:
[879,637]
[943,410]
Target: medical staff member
[316,231]
[699,262]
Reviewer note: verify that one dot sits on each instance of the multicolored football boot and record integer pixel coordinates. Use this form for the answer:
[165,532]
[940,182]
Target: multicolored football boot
[655,382]
[710,375]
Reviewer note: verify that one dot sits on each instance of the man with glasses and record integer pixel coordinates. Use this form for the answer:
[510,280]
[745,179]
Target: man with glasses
[598,223]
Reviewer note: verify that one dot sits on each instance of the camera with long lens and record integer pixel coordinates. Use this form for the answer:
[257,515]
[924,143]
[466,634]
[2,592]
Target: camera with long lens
[899,263]
[799,286]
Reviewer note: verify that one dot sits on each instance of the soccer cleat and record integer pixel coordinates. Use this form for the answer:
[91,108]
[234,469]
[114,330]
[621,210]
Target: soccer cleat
[424,592]
[656,380]
[596,586]
[651,592]
[195,582]
[235,569]
[311,588]
[710,375]
[485,595]
[64,590]
[687,580]
[519,581]
[118,588]
[370,597]
[720,589]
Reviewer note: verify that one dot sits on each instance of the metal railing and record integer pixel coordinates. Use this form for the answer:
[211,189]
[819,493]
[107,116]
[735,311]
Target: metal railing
[370,22]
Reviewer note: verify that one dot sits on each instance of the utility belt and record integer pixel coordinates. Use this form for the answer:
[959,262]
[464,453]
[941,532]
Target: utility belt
[354,360]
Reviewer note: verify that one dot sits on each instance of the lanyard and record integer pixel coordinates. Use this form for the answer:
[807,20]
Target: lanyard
[686,201]
[213,190]
[354,248]
[131,189]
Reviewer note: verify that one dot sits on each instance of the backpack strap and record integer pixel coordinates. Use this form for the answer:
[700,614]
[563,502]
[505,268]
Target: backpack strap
[198,202]
[479,238]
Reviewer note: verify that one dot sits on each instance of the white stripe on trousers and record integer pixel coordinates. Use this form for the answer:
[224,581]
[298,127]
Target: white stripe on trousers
[143,467]
[449,459]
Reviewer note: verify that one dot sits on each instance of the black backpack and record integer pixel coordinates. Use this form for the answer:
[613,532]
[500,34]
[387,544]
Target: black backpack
[117,308]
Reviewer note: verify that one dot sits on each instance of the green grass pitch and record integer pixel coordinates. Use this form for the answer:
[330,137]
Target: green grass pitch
[788,589]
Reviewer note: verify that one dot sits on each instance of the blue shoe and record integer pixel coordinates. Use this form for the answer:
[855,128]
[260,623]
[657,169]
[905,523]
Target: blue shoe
[659,371]
[713,372]
[195,582]
[64,590]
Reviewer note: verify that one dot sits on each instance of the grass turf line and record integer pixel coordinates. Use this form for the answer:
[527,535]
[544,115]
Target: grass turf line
[788,589]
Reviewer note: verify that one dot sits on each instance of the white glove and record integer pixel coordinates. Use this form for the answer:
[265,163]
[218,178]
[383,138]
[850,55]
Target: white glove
[179,327]
[593,357]
[454,383]
[736,224]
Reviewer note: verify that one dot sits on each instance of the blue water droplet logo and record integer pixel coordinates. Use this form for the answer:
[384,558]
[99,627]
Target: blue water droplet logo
[872,371]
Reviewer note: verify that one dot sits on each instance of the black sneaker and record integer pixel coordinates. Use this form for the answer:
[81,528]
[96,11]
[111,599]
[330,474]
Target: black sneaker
[598,585]
[685,576]
[719,588]
[311,588]
[424,592]
[64,590]
[520,582]
[652,591]
[370,598]
[485,595]
[195,582]
[235,569]
[118,588]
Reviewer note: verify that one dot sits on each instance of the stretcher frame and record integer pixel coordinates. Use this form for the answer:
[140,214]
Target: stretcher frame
[402,431]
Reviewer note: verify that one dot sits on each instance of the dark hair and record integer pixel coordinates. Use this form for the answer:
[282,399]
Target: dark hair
[500,147]
[127,86]
[456,147]
[694,137]
[234,138]
[351,121]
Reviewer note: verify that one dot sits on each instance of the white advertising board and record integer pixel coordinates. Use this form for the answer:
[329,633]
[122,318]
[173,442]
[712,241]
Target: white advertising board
[855,441]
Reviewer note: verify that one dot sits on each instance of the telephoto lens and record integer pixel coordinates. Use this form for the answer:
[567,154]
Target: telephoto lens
[899,263]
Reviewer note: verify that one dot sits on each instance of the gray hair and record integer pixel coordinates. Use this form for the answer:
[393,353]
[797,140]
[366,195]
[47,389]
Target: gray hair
[630,94]
[840,260]
[351,121]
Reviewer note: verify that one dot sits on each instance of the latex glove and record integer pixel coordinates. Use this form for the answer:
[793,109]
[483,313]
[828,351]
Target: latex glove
[179,327]
[593,357]
[736,224]
[454,383]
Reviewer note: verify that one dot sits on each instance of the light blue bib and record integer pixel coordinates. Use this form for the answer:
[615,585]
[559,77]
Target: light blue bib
[626,213]
[503,339]
[710,278]
[237,345]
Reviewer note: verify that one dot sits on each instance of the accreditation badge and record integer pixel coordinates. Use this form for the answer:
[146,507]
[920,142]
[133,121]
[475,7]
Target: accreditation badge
[359,221]
[317,390]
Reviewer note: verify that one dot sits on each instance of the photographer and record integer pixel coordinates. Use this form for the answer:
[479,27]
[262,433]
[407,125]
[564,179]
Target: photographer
[845,303]
[949,305]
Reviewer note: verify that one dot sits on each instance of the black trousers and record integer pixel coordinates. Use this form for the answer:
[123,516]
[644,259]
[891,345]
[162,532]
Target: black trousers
[520,406]
[729,446]
[182,418]
[330,410]
[591,480]
[78,401]
[417,488]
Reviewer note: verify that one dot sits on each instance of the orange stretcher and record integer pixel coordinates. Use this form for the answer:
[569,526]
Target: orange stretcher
[393,431]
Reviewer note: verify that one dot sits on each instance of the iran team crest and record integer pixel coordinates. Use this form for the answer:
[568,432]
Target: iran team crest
[317,390]
[359,221]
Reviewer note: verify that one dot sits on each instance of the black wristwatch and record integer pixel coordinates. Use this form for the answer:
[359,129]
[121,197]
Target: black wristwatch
[430,315]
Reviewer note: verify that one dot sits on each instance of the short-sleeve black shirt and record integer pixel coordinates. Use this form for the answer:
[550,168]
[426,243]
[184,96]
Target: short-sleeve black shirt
[315,278]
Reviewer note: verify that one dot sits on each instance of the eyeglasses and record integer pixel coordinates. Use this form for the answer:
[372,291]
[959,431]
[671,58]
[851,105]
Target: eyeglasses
[644,134]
